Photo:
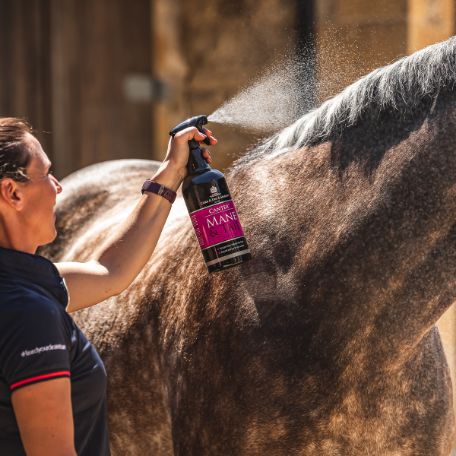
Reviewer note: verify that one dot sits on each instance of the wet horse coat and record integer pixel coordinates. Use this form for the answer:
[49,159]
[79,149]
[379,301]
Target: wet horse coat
[326,342]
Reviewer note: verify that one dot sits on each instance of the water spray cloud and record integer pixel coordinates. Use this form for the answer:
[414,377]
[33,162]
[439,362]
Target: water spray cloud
[278,97]
[298,83]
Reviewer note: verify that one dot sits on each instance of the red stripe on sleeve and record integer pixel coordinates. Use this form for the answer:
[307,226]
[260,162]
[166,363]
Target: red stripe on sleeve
[40,377]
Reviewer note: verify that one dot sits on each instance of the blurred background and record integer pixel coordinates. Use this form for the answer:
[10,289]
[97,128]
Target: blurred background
[108,79]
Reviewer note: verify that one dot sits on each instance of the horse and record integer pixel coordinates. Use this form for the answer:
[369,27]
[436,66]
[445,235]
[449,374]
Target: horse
[325,343]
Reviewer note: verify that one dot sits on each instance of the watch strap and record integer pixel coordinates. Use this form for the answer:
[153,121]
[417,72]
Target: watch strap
[164,192]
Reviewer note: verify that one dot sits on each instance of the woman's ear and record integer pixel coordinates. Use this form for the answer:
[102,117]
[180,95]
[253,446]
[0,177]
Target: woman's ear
[12,193]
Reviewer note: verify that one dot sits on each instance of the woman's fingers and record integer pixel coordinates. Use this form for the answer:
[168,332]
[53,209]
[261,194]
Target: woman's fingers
[194,133]
[206,155]
[211,139]
[199,136]
[209,135]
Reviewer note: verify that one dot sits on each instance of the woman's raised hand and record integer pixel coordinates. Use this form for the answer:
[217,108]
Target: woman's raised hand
[177,154]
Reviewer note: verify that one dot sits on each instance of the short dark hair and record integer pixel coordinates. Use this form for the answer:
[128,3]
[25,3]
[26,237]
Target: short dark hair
[14,156]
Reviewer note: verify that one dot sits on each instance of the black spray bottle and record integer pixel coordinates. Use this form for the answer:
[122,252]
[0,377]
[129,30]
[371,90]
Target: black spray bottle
[211,208]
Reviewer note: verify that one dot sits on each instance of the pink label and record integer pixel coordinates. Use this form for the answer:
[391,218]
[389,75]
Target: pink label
[216,224]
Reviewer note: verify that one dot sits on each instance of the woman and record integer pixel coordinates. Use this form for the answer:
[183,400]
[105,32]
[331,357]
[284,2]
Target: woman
[52,382]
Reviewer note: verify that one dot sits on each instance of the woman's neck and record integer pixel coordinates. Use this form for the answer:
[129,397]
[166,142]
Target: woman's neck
[12,235]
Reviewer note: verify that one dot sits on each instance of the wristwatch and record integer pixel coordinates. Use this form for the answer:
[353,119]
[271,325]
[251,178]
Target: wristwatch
[164,192]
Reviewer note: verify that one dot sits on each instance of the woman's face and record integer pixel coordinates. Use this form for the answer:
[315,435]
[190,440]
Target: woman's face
[40,196]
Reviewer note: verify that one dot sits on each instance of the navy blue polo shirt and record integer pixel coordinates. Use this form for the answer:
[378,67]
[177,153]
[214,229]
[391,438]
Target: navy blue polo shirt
[39,341]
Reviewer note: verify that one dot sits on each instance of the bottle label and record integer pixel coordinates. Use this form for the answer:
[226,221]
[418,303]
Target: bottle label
[216,224]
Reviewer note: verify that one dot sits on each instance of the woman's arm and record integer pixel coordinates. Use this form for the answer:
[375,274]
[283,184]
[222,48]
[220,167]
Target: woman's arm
[45,419]
[117,263]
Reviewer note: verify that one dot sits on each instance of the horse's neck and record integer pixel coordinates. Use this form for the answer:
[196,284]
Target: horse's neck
[360,231]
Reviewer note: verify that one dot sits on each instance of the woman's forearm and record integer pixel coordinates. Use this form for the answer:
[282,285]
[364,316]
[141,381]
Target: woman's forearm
[121,258]
[131,246]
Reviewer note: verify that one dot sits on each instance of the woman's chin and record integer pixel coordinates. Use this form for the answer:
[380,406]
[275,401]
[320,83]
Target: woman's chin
[50,237]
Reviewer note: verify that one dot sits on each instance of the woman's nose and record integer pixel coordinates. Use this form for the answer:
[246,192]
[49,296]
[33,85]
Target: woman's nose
[57,185]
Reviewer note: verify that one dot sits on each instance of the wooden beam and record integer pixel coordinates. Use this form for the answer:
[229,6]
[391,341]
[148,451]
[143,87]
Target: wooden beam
[96,46]
[306,28]
[169,69]
[25,65]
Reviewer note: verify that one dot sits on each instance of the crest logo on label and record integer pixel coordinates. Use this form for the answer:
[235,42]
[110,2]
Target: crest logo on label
[214,191]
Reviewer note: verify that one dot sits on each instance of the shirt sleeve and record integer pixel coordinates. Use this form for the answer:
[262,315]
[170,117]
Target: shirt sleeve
[34,344]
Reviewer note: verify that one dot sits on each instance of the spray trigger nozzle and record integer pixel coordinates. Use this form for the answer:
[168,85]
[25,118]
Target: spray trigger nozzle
[198,122]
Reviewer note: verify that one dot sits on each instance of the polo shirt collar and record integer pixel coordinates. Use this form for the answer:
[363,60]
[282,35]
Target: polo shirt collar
[35,269]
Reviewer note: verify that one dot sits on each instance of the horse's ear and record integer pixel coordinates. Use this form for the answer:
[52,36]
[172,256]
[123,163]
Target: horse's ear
[11,193]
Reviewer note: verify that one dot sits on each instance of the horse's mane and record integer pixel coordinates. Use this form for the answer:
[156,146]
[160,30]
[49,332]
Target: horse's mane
[399,87]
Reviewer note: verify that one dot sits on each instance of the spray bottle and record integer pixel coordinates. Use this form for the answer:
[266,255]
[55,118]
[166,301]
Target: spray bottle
[211,208]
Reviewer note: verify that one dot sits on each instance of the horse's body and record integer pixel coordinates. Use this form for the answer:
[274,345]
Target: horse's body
[326,342]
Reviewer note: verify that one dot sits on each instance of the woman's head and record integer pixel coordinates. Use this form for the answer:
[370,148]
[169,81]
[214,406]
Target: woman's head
[14,156]
[27,189]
